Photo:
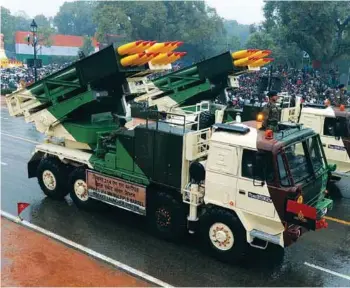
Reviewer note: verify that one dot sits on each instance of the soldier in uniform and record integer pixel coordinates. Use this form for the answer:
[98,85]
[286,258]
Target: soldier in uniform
[340,95]
[271,112]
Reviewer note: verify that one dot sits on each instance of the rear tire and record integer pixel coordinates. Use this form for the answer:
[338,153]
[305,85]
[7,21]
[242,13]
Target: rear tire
[79,193]
[223,235]
[167,218]
[52,177]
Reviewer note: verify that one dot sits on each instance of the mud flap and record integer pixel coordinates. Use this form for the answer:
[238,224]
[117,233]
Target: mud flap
[33,163]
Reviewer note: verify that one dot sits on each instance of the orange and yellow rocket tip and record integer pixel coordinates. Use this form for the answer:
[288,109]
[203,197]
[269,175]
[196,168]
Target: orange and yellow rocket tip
[243,53]
[130,60]
[261,62]
[147,58]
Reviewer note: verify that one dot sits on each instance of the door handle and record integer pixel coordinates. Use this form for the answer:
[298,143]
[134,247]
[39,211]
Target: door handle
[241,192]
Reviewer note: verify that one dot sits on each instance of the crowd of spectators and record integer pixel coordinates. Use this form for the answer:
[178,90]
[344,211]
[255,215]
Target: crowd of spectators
[11,78]
[313,85]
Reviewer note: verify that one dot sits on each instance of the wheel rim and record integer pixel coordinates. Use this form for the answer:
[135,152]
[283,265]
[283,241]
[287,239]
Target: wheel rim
[163,218]
[49,180]
[80,190]
[221,236]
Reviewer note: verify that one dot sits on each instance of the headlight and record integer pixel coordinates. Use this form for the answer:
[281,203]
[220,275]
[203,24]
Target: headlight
[300,199]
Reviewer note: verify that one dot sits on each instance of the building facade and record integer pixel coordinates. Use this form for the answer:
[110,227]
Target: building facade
[60,46]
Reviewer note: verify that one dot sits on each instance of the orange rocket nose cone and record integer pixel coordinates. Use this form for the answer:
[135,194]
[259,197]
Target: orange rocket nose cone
[179,43]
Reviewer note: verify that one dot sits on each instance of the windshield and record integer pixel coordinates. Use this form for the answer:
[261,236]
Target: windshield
[303,160]
[317,159]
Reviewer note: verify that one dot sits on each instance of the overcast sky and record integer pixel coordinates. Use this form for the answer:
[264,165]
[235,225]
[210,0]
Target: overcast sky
[244,11]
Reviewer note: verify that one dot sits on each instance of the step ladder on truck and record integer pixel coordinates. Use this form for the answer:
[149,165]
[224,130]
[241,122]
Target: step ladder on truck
[221,182]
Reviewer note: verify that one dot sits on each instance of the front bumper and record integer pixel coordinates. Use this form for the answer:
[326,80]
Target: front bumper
[307,216]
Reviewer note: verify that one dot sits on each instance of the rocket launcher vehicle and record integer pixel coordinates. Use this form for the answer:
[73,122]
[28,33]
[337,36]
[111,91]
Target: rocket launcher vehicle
[71,104]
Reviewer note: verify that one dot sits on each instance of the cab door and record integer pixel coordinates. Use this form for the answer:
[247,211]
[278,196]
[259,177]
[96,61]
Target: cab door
[252,198]
[334,147]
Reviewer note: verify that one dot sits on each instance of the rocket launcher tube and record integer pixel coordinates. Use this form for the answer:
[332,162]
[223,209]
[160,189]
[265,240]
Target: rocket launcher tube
[243,53]
[176,56]
[149,56]
[165,47]
[129,60]
[124,49]
[245,61]
[140,48]
[174,45]
[261,62]
[261,54]
[137,61]
[162,57]
[159,47]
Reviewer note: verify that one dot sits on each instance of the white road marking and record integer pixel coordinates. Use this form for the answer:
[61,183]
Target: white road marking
[328,271]
[3,163]
[20,138]
[4,118]
[88,251]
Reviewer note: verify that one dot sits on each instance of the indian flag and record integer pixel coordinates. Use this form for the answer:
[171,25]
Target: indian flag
[61,45]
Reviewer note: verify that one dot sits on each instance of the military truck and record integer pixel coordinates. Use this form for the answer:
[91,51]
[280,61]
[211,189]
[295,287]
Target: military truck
[333,125]
[234,184]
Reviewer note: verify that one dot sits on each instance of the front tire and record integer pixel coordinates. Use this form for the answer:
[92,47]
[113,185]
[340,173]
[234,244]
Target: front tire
[79,192]
[167,218]
[223,235]
[52,177]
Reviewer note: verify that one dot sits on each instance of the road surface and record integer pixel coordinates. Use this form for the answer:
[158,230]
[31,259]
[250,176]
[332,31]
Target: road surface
[319,258]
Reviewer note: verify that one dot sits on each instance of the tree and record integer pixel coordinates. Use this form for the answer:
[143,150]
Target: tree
[87,47]
[42,21]
[322,29]
[75,18]
[241,31]
[193,22]
[21,22]
[7,26]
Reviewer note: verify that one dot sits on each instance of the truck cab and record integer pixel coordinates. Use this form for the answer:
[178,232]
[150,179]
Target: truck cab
[333,125]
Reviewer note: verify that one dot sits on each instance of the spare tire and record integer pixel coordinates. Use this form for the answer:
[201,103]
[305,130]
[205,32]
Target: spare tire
[197,172]
[206,120]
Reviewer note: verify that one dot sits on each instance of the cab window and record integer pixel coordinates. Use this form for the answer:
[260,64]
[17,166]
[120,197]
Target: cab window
[249,161]
[329,128]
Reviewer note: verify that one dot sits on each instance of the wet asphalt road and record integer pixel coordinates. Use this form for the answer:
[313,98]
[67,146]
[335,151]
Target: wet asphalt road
[122,236]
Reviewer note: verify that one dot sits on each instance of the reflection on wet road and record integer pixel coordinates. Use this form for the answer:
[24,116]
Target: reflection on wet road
[122,236]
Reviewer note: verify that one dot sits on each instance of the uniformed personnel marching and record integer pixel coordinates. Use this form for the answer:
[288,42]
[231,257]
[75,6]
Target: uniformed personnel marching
[271,112]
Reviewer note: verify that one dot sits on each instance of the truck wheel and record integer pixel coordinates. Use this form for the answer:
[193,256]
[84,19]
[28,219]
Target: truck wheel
[223,235]
[79,192]
[167,218]
[52,178]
